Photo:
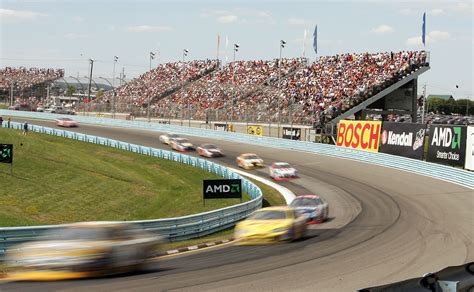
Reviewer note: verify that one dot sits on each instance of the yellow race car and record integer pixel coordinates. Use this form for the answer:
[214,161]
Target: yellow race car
[272,224]
[249,161]
[82,250]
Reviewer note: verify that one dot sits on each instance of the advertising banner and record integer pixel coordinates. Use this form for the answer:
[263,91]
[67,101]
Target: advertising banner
[222,188]
[447,145]
[470,149]
[220,127]
[291,133]
[255,130]
[6,153]
[364,135]
[403,139]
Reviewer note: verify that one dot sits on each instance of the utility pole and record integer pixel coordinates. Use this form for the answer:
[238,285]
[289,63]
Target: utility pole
[152,56]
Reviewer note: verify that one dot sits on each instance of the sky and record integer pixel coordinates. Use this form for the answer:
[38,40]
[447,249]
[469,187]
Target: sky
[66,34]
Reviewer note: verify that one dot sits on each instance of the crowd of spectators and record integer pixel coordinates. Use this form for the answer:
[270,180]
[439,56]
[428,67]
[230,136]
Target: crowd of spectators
[165,78]
[237,80]
[23,78]
[334,84]
[266,90]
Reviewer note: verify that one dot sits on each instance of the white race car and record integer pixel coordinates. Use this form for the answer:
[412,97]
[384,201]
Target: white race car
[249,161]
[165,138]
[181,144]
[209,150]
[282,170]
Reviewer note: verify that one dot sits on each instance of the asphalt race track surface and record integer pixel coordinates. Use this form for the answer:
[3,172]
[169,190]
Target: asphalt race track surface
[385,226]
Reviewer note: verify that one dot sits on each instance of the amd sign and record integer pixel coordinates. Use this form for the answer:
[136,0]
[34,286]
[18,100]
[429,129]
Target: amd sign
[222,189]
[447,145]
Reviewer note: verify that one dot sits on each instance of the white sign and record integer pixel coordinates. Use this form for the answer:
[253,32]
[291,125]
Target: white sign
[469,164]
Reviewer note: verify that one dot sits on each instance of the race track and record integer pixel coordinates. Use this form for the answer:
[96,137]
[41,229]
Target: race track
[386,226]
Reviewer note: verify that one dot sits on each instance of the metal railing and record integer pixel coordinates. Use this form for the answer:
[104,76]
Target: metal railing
[174,229]
[438,171]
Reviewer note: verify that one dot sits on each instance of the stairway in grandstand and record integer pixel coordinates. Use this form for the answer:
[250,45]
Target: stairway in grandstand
[178,87]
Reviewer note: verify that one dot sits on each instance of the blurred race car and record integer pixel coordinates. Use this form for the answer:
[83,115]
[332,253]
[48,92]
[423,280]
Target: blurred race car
[271,224]
[249,161]
[181,144]
[209,150]
[312,207]
[82,250]
[282,170]
[66,122]
[165,138]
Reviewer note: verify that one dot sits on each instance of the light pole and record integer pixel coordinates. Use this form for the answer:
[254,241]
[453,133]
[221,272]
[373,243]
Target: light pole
[282,45]
[152,56]
[113,88]
[91,62]
[185,53]
[236,49]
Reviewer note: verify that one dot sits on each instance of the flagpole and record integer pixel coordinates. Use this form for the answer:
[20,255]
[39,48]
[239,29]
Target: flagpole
[218,44]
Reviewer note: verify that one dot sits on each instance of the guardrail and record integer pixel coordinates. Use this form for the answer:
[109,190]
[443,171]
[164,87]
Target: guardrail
[179,228]
[438,171]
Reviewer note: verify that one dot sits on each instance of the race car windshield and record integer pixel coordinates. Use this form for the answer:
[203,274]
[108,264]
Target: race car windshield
[268,215]
[65,119]
[305,202]
[182,140]
[251,157]
[173,136]
[286,165]
[78,234]
[209,146]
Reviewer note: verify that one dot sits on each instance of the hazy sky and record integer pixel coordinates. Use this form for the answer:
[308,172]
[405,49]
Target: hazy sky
[65,34]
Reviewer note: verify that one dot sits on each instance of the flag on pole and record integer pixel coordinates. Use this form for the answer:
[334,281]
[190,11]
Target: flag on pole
[315,41]
[218,44]
[423,30]
[226,45]
[304,42]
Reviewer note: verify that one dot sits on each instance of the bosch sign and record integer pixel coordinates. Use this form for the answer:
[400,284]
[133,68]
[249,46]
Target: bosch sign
[363,135]
[222,189]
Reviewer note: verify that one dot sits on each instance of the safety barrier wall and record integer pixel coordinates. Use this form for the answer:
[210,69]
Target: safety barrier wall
[438,171]
[179,228]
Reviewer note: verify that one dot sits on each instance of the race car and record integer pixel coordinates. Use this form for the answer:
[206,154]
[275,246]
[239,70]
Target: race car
[82,250]
[209,150]
[165,138]
[272,224]
[181,144]
[314,208]
[282,170]
[249,161]
[66,122]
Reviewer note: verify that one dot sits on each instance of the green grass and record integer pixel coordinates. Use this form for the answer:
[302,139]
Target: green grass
[57,180]
[3,106]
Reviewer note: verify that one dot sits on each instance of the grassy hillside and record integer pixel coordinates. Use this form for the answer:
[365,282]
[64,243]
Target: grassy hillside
[56,180]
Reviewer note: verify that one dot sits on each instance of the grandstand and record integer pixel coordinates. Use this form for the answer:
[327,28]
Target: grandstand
[26,85]
[293,90]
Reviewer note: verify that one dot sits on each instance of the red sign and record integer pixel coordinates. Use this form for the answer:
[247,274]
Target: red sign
[363,135]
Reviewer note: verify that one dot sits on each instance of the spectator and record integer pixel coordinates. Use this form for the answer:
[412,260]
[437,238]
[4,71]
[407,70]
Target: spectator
[25,128]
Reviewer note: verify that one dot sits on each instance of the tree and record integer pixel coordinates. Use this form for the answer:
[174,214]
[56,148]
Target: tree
[70,90]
